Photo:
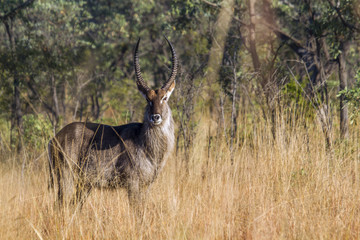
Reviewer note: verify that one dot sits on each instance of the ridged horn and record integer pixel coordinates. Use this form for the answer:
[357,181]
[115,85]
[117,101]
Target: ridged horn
[139,80]
[174,67]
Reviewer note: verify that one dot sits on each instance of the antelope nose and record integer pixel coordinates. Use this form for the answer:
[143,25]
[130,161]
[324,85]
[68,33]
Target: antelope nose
[156,117]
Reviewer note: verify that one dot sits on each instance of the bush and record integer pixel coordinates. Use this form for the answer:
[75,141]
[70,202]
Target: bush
[37,130]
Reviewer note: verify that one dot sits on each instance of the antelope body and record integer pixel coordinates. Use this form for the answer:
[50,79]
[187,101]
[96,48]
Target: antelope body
[85,155]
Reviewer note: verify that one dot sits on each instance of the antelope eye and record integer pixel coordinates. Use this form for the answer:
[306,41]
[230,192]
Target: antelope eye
[165,98]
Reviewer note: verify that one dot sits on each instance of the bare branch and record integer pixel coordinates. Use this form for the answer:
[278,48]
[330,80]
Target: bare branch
[210,3]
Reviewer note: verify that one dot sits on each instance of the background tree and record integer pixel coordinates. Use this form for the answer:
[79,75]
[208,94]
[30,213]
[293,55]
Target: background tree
[10,13]
[72,60]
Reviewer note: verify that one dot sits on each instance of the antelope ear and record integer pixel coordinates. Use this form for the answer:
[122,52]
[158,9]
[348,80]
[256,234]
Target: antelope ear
[169,92]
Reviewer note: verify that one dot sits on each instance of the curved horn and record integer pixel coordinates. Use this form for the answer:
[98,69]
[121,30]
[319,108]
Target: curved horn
[174,67]
[139,80]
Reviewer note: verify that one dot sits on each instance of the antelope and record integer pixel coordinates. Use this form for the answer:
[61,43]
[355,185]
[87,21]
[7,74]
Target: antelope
[84,155]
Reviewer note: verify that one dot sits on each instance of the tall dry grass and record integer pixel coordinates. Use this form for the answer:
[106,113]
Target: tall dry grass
[288,188]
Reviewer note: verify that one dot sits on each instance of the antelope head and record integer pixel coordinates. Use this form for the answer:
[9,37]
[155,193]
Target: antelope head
[157,109]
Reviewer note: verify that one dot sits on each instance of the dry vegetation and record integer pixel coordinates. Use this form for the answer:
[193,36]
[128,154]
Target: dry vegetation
[291,188]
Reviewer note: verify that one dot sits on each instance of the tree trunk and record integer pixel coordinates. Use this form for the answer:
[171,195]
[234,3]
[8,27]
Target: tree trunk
[95,107]
[252,38]
[233,115]
[16,121]
[56,102]
[323,104]
[343,75]
[17,113]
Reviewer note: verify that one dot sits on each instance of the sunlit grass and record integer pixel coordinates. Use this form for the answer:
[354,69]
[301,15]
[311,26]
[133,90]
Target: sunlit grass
[288,188]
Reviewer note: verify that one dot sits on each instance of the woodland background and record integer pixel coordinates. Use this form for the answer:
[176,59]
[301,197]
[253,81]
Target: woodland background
[266,107]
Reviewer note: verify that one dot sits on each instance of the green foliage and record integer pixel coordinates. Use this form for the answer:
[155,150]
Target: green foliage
[352,98]
[334,26]
[319,19]
[189,14]
[294,90]
[37,130]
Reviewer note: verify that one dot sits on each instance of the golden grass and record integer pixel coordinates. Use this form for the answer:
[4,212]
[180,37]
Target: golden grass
[290,188]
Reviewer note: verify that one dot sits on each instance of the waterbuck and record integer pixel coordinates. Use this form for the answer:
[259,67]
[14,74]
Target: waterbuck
[84,155]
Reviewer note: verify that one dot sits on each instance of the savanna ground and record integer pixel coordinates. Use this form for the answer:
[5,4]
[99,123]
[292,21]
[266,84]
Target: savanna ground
[288,188]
